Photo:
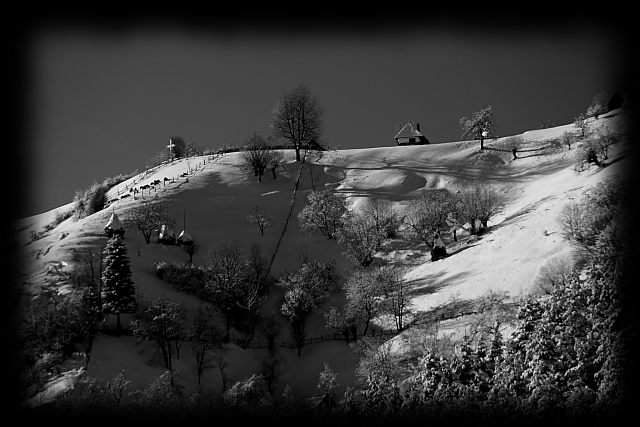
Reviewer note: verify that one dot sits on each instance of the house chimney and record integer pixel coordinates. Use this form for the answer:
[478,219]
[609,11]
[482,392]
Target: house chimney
[418,126]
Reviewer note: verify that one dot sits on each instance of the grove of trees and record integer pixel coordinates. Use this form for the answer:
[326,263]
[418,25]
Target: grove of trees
[258,157]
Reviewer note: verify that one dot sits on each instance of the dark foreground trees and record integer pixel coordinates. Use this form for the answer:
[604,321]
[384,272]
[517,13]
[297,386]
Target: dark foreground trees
[303,291]
[233,287]
[163,323]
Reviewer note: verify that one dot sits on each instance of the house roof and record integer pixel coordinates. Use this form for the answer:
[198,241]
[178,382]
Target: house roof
[185,237]
[408,131]
[114,222]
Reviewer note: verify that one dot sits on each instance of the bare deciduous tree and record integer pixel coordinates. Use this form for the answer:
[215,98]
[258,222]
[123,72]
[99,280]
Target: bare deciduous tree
[364,296]
[397,300]
[325,213]
[150,216]
[297,306]
[479,125]
[566,139]
[256,156]
[205,335]
[228,269]
[479,203]
[360,239]
[259,216]
[221,362]
[380,212]
[598,105]
[428,213]
[276,160]
[581,123]
[513,144]
[162,322]
[297,118]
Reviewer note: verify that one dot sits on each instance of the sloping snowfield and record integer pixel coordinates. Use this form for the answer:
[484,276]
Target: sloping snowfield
[216,195]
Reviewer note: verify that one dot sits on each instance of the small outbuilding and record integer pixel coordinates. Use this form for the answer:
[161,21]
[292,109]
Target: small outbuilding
[166,235]
[184,238]
[114,227]
[411,135]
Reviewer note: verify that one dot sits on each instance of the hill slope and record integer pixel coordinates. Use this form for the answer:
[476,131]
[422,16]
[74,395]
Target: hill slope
[216,195]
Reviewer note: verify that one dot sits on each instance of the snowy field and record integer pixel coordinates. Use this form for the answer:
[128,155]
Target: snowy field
[217,195]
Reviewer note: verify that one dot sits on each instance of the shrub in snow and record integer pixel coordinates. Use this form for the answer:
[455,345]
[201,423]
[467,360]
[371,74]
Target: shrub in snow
[567,139]
[581,123]
[360,239]
[327,380]
[258,215]
[325,213]
[251,392]
[380,212]
[598,105]
[163,323]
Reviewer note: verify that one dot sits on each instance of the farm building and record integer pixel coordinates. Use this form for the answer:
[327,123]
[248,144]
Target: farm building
[410,135]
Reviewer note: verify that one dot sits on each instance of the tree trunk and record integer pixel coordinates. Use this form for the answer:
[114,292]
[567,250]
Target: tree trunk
[482,143]
[165,357]
[366,328]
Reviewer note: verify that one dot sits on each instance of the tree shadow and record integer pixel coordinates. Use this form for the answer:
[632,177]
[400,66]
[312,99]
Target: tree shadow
[462,248]
[525,210]
[530,155]
[432,283]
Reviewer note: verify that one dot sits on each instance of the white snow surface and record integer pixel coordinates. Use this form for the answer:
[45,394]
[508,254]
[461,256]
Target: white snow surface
[218,195]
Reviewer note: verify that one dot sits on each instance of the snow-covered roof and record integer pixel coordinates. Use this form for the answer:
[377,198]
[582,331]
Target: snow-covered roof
[408,131]
[166,231]
[114,222]
[185,237]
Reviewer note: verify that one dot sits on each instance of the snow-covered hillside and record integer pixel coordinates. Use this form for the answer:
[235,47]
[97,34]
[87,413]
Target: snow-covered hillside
[216,195]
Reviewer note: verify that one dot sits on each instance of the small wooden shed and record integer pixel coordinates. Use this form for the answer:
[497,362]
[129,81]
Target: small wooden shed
[410,135]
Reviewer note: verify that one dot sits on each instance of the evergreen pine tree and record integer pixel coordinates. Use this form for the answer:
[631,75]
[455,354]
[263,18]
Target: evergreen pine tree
[118,291]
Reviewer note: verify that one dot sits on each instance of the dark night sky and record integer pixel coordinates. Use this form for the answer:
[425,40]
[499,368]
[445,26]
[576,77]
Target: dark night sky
[103,103]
